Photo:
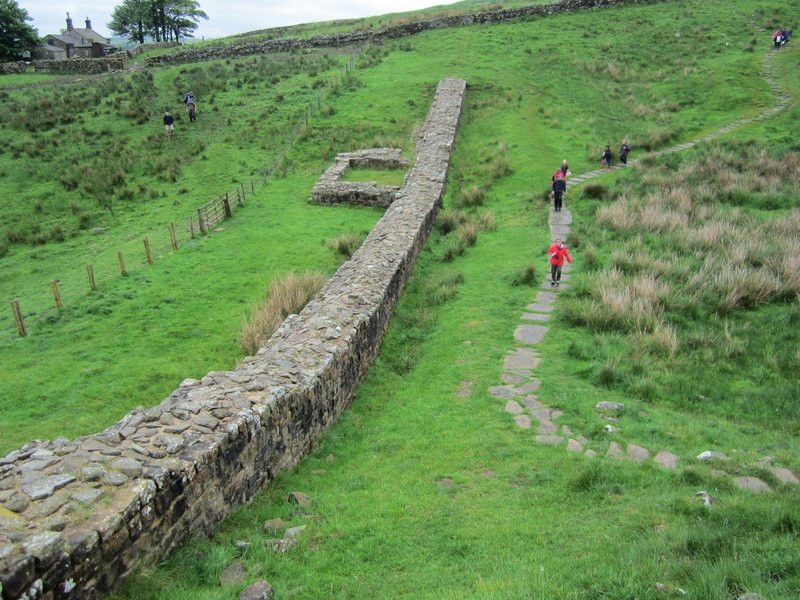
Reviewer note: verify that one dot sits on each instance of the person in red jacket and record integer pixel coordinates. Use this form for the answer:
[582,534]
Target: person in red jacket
[558,252]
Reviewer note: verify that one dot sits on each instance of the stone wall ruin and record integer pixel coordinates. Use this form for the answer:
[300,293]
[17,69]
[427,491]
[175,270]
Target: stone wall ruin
[77,516]
[330,189]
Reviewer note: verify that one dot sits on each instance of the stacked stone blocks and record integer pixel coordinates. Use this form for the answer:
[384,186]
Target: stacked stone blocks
[330,189]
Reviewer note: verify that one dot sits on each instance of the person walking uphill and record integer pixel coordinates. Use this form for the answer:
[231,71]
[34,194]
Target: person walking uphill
[605,160]
[558,252]
[169,123]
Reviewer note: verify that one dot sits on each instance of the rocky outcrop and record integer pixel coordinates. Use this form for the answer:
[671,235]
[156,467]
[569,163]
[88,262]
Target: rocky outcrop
[362,36]
[330,189]
[77,516]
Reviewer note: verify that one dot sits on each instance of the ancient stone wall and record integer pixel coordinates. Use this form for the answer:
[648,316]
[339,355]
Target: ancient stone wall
[19,66]
[137,50]
[362,36]
[77,516]
[85,66]
[330,189]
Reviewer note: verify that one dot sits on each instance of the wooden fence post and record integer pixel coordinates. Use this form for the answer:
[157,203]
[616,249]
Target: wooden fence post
[226,205]
[18,318]
[122,270]
[241,184]
[147,251]
[90,274]
[200,220]
[56,293]
[172,237]
[238,197]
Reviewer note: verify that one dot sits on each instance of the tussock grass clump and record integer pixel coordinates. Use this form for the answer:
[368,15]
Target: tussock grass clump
[286,296]
[346,244]
[471,196]
[467,234]
[487,222]
[596,191]
[526,275]
[449,220]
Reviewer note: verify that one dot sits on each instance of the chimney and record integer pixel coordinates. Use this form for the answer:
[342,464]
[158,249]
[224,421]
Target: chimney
[69,23]
[88,23]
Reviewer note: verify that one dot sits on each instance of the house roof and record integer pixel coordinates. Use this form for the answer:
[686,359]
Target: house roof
[92,36]
[51,48]
[77,41]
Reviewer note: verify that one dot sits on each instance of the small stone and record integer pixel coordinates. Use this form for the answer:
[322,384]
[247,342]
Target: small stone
[166,419]
[610,429]
[502,392]
[88,496]
[92,472]
[17,502]
[532,403]
[206,420]
[330,458]
[115,478]
[274,526]
[39,486]
[614,451]
[549,440]
[44,547]
[666,460]
[241,545]
[704,497]
[513,407]
[547,428]
[260,590]
[637,454]
[574,446]
[753,484]
[590,453]
[784,475]
[129,466]
[47,507]
[294,532]
[614,407]
[523,421]
[710,455]
[529,387]
[749,596]
[765,460]
[233,574]
[299,498]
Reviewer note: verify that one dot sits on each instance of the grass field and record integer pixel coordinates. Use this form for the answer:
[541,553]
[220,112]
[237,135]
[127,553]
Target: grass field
[425,488]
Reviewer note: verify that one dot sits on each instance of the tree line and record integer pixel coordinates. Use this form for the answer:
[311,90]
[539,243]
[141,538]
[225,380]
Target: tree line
[159,20]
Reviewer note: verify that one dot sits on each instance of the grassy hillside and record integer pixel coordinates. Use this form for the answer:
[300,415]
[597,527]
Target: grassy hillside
[426,489]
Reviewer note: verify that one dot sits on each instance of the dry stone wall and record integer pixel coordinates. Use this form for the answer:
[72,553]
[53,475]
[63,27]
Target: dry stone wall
[19,66]
[362,36]
[330,189]
[77,516]
[85,66]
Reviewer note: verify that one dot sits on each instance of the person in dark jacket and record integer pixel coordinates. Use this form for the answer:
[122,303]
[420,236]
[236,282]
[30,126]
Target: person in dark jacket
[624,150]
[605,160]
[559,187]
[558,252]
[169,123]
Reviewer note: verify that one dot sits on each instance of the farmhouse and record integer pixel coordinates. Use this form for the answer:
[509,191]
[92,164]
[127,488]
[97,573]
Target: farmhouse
[74,43]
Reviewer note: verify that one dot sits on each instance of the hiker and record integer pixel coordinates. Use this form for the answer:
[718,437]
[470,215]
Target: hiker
[169,123]
[559,187]
[777,38]
[624,150]
[558,252]
[785,35]
[605,160]
[565,169]
[191,106]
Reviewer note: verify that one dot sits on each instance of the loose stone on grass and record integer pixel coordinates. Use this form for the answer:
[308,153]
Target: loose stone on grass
[523,421]
[574,446]
[753,484]
[299,498]
[234,573]
[615,451]
[666,460]
[612,407]
[784,475]
[260,590]
[710,455]
[637,454]
[513,408]
[274,526]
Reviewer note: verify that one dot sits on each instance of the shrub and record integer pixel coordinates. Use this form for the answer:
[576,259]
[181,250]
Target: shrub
[442,290]
[346,244]
[500,167]
[596,191]
[486,222]
[286,296]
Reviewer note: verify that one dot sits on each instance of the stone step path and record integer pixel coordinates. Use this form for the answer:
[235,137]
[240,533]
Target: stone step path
[520,384]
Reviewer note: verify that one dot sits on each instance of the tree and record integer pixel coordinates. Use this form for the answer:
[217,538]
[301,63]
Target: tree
[17,38]
[131,18]
[161,20]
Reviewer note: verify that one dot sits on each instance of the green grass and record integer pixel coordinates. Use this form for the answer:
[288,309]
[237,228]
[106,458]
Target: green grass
[426,488]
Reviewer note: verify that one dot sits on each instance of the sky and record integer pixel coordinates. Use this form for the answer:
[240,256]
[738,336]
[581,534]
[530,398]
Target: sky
[225,17]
